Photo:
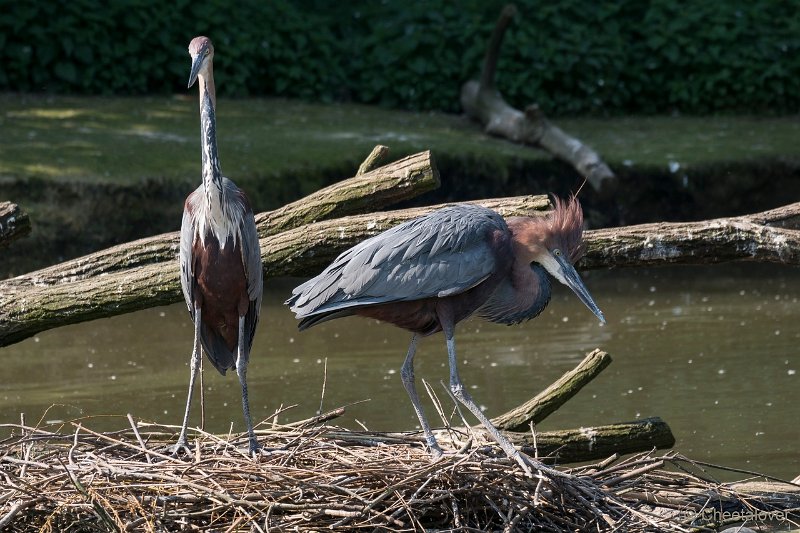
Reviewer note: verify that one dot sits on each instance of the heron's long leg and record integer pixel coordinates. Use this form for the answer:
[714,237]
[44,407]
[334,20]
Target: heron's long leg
[407,375]
[463,396]
[241,371]
[194,365]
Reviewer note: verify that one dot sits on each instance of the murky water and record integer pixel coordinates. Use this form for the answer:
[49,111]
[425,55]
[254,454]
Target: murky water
[711,350]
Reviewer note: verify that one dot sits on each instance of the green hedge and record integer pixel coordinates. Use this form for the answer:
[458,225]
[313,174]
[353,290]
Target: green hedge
[570,56]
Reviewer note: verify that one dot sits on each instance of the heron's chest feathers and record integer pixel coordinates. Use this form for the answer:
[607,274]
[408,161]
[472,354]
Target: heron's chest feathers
[220,215]
[519,297]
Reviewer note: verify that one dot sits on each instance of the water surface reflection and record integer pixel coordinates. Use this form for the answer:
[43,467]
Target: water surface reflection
[712,350]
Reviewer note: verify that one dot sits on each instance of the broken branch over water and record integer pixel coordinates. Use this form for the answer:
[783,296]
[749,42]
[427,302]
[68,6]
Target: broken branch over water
[549,400]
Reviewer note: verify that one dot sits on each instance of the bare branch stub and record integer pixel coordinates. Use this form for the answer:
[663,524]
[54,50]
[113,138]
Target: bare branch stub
[14,223]
[493,51]
[485,104]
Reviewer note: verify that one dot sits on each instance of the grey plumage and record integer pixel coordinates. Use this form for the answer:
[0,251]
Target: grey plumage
[441,254]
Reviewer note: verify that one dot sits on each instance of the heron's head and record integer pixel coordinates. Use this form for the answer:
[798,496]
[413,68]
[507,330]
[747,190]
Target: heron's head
[202,53]
[555,241]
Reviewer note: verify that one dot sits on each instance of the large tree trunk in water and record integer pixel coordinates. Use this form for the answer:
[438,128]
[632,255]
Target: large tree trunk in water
[483,102]
[144,273]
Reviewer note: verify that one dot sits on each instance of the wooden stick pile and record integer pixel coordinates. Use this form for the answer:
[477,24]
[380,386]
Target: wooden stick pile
[317,476]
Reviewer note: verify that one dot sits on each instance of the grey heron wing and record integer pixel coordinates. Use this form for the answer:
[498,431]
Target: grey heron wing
[253,269]
[443,253]
[187,236]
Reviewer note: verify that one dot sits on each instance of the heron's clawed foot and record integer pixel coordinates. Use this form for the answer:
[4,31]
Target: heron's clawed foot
[434,449]
[256,450]
[179,448]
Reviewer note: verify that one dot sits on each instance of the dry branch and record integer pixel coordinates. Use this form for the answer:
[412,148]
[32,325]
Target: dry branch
[549,400]
[372,160]
[14,223]
[328,478]
[483,102]
[771,236]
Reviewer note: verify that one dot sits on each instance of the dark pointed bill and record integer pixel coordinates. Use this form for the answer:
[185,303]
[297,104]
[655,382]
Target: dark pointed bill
[574,282]
[197,62]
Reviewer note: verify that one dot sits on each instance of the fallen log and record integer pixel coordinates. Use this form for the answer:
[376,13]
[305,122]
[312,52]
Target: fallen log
[771,236]
[483,102]
[597,442]
[144,273]
[559,446]
[307,250]
[14,223]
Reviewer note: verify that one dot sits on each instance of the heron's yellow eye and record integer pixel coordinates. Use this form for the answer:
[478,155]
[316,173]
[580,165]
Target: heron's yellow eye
[557,252]
[208,51]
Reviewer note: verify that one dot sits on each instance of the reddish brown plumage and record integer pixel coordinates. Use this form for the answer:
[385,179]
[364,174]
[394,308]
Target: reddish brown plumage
[560,229]
[221,287]
[565,228]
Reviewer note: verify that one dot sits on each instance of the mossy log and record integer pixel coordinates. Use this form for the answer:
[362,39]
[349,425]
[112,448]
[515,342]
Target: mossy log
[561,446]
[144,273]
[14,223]
[483,102]
[771,236]
[597,442]
[306,250]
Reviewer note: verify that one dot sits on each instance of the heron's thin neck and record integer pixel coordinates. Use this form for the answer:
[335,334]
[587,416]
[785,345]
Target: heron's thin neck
[212,175]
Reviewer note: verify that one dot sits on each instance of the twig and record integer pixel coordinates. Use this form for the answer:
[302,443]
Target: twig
[139,437]
[324,382]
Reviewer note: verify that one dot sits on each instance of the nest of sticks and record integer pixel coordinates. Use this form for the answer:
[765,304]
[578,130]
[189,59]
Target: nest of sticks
[317,476]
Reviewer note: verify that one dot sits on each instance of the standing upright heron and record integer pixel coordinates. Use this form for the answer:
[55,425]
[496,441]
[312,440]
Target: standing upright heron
[428,274]
[220,256]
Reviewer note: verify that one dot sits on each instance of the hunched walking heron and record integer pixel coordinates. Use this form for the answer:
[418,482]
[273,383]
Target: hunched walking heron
[428,274]
[220,257]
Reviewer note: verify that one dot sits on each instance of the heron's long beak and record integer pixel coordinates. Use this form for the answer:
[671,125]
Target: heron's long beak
[570,278]
[197,62]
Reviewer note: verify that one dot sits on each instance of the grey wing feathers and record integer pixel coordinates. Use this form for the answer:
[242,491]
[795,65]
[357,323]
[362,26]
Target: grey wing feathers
[188,231]
[443,253]
[251,257]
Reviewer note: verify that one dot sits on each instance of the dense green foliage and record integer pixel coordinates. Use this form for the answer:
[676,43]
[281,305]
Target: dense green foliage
[571,56]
